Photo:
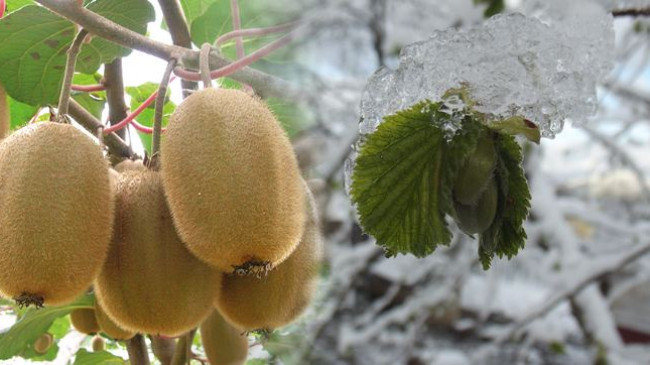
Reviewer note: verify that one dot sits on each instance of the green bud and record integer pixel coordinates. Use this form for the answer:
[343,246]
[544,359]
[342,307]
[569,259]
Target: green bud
[477,218]
[477,171]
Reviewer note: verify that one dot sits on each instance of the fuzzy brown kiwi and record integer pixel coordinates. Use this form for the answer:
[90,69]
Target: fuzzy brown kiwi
[109,327]
[57,213]
[223,343]
[150,282]
[273,301]
[43,343]
[127,165]
[5,118]
[84,321]
[232,180]
[98,344]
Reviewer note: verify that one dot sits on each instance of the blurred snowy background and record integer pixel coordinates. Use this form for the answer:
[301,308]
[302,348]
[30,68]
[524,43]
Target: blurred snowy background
[579,293]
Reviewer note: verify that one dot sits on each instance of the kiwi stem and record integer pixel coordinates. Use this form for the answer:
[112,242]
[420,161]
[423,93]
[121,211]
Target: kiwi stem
[183,353]
[241,63]
[204,65]
[88,88]
[266,85]
[116,145]
[73,51]
[158,114]
[254,32]
[236,25]
[163,348]
[137,349]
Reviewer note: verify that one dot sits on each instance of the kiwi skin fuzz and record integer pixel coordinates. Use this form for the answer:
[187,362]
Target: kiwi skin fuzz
[273,301]
[57,213]
[109,327]
[84,321]
[150,283]
[234,190]
[223,343]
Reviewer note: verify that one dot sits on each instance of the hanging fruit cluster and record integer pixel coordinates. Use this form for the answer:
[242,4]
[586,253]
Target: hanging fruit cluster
[225,236]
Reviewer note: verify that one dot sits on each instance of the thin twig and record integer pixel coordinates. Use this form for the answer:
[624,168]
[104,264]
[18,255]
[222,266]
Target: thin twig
[264,84]
[137,349]
[239,64]
[613,265]
[130,118]
[255,32]
[88,88]
[236,25]
[625,158]
[204,65]
[631,12]
[158,114]
[73,51]
[115,144]
[177,26]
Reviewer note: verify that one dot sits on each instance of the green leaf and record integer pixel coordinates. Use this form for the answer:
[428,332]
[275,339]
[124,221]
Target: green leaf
[402,180]
[13,5]
[132,14]
[493,6]
[193,9]
[507,236]
[517,125]
[93,102]
[214,21]
[33,41]
[83,357]
[20,113]
[138,95]
[34,323]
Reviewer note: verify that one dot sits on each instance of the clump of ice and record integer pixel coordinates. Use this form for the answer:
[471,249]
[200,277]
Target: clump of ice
[543,67]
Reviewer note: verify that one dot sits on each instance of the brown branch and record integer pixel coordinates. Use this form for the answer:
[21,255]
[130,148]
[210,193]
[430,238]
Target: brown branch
[115,144]
[631,12]
[180,33]
[137,349]
[73,51]
[265,85]
[114,82]
[158,114]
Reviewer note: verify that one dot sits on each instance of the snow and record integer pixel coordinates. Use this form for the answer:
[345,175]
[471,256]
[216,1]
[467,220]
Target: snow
[544,69]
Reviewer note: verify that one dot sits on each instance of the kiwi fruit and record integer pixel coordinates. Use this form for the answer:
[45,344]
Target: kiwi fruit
[83,320]
[150,283]
[223,343]
[130,165]
[5,117]
[98,344]
[232,180]
[43,343]
[478,169]
[109,327]
[57,213]
[478,217]
[266,303]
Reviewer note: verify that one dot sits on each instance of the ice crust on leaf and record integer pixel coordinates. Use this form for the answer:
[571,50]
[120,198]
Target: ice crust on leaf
[544,69]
